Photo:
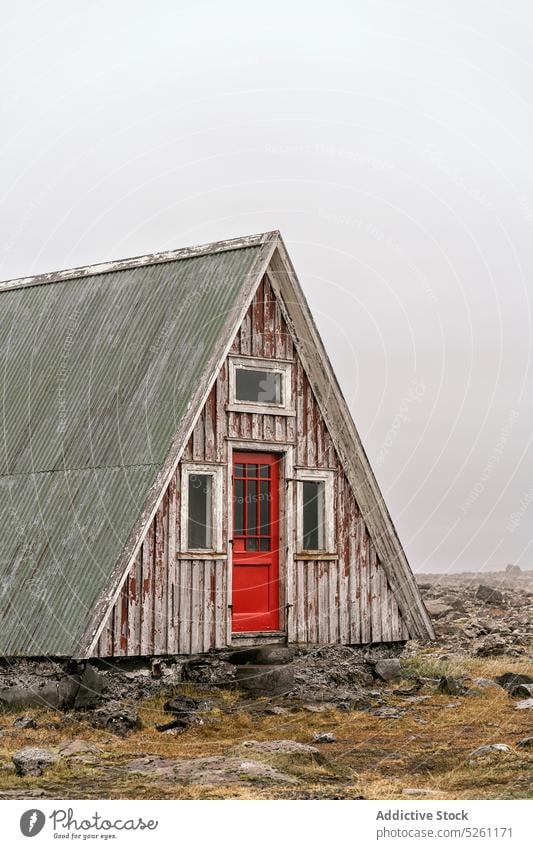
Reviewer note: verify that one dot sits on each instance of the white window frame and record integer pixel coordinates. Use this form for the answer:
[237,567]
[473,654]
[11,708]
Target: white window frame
[316,475]
[255,363]
[216,473]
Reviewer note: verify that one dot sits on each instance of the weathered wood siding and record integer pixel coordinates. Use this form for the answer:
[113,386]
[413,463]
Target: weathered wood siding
[172,605]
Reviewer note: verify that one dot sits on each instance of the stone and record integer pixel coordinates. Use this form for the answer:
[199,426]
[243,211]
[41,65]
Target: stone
[436,608]
[181,704]
[288,750]
[484,683]
[525,743]
[91,687]
[274,655]
[117,718]
[451,686]
[388,669]
[419,791]
[493,644]
[325,737]
[526,704]
[25,722]
[209,670]
[521,691]
[78,747]
[489,595]
[490,749]
[260,680]
[508,680]
[210,771]
[33,761]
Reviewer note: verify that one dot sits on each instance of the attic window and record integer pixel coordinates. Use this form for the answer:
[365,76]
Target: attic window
[201,508]
[260,385]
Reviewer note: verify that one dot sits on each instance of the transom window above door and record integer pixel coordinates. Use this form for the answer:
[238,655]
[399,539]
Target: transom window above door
[260,386]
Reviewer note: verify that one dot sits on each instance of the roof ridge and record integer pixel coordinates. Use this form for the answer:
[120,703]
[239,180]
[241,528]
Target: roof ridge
[137,261]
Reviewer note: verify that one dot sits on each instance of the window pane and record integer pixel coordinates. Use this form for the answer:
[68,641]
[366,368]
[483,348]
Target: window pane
[313,515]
[251,544]
[200,530]
[257,386]
[251,470]
[264,508]
[251,505]
[238,507]
[264,471]
[239,470]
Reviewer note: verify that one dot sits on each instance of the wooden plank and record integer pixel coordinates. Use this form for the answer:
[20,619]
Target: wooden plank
[385,606]
[196,606]
[301,454]
[365,582]
[355,529]
[146,594]
[210,425]
[311,426]
[375,600]
[184,608]
[339,499]
[198,438]
[322,569]
[221,417]
[246,333]
[301,598]
[257,321]
[171,568]
[220,604]
[134,618]
[269,344]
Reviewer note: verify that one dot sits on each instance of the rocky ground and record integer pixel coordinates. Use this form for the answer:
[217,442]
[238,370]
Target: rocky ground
[453,719]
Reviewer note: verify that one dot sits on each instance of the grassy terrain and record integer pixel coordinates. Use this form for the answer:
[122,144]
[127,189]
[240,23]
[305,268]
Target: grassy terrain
[428,748]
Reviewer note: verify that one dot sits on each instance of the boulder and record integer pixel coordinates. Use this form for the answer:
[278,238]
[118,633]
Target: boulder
[526,704]
[437,608]
[25,722]
[325,737]
[263,655]
[451,686]
[210,771]
[117,718]
[521,691]
[78,747]
[288,750]
[490,749]
[508,680]
[91,687]
[33,761]
[489,595]
[209,670]
[388,669]
[525,743]
[259,680]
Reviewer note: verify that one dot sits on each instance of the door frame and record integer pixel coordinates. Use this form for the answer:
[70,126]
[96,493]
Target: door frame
[286,528]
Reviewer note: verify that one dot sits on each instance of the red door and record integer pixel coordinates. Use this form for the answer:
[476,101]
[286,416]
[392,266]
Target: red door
[255,599]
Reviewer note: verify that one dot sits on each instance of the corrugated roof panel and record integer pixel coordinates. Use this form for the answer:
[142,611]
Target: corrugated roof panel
[97,373]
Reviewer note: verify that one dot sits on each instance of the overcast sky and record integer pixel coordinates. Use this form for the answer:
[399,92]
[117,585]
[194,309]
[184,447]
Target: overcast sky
[390,142]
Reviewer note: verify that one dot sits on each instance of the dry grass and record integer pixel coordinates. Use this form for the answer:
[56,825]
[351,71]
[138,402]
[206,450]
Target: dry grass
[427,748]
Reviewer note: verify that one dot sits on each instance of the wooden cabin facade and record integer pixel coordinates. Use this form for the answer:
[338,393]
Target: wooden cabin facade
[177,601]
[264,521]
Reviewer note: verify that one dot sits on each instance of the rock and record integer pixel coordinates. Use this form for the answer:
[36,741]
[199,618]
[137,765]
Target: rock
[512,571]
[33,761]
[265,680]
[181,704]
[78,747]
[484,683]
[511,679]
[275,710]
[436,608]
[263,655]
[210,771]
[91,687]
[482,751]
[288,750]
[526,704]
[451,686]
[324,738]
[25,722]
[491,645]
[525,743]
[521,691]
[388,669]
[209,670]
[419,791]
[388,712]
[177,724]
[489,595]
[117,718]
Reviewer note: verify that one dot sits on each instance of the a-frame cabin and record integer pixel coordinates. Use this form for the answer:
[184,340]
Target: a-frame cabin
[180,469]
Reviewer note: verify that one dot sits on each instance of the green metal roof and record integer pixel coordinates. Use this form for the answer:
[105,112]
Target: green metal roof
[97,371]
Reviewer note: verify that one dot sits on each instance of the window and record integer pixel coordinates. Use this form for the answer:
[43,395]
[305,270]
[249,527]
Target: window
[200,518]
[260,386]
[201,508]
[313,515]
[315,519]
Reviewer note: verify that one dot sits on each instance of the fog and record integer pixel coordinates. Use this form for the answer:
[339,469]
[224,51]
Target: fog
[390,142]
